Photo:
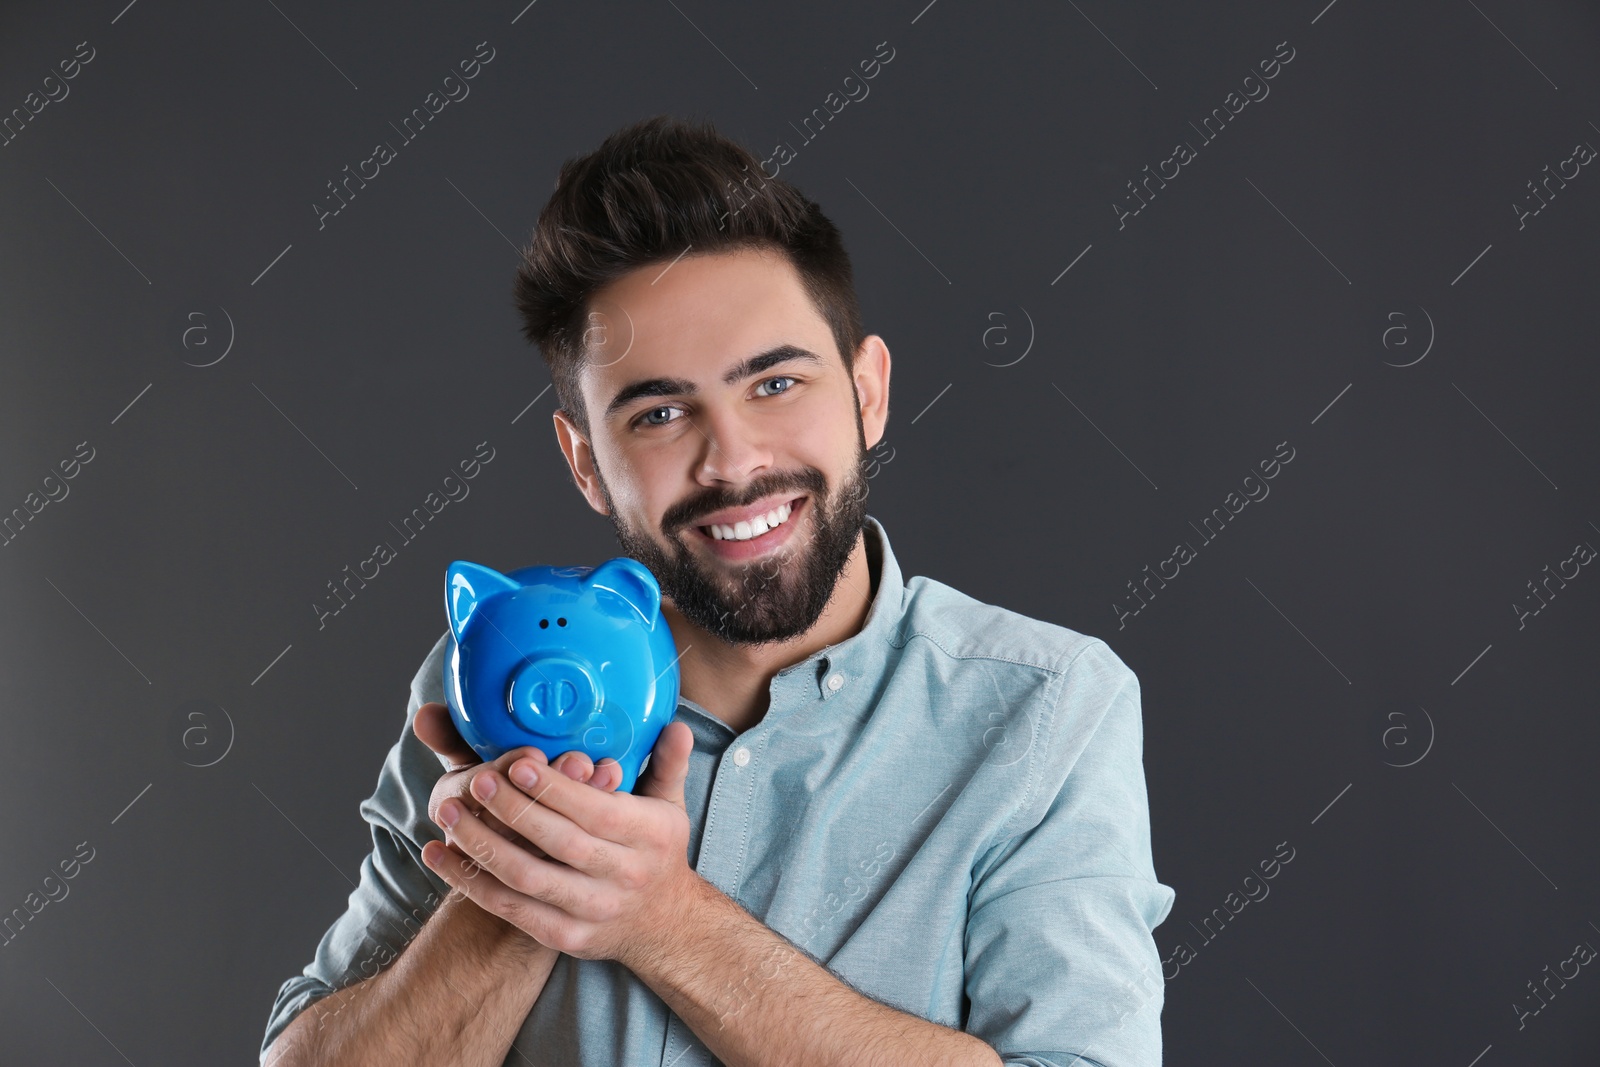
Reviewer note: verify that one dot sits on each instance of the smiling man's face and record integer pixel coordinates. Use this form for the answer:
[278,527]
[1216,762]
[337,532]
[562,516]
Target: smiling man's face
[718,403]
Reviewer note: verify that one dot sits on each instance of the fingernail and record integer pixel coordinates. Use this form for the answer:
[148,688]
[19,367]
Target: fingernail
[483,787]
[524,776]
[448,814]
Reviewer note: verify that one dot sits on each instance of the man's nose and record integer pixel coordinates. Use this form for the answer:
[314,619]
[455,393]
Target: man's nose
[733,452]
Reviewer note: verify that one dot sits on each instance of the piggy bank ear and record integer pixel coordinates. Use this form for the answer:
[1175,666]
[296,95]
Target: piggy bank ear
[633,582]
[466,585]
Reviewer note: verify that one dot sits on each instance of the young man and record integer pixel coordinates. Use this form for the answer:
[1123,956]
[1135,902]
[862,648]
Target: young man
[889,824]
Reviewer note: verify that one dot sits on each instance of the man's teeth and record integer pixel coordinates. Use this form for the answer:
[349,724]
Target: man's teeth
[743,531]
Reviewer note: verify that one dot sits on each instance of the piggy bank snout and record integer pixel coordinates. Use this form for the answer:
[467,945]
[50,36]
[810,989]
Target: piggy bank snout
[553,694]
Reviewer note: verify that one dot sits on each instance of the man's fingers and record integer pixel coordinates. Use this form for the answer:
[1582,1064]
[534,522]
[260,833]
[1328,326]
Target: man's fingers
[434,728]
[607,774]
[575,765]
[458,783]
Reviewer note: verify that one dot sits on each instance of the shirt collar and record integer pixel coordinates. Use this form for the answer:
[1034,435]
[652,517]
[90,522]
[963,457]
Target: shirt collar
[861,656]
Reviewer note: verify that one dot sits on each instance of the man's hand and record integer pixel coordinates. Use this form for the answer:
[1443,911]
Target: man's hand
[607,876]
[434,728]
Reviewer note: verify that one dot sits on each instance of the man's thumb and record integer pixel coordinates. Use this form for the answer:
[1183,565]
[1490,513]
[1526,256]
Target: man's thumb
[668,768]
[434,728]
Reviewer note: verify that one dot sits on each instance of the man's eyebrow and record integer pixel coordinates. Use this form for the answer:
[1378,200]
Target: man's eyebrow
[747,368]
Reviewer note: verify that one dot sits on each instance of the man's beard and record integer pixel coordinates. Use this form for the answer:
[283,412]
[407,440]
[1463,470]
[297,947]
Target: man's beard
[776,597]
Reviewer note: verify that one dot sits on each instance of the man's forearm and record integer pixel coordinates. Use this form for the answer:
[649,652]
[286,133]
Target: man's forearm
[458,993]
[753,998]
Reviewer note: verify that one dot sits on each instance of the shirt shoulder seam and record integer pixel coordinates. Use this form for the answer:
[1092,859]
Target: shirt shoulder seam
[906,635]
[906,628]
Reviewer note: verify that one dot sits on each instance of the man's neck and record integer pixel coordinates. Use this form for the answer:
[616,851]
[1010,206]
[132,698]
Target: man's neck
[733,682]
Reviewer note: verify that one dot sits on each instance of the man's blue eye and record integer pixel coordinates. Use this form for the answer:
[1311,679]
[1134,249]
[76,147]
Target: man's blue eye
[780,378]
[648,421]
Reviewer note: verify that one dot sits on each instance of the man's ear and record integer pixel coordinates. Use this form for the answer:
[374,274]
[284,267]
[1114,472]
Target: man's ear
[870,373]
[580,459]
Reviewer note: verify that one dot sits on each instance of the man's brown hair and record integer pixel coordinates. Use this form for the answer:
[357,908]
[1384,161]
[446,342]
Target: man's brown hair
[650,191]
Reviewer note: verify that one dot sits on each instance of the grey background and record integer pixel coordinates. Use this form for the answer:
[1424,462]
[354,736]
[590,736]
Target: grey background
[1334,629]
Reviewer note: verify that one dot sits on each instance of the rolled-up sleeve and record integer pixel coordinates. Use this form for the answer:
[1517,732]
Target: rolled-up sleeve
[397,892]
[1061,964]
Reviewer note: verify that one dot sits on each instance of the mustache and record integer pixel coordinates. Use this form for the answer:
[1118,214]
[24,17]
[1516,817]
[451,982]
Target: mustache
[685,514]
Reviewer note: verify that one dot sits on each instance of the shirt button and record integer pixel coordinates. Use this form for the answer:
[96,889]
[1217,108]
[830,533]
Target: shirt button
[741,755]
[836,682]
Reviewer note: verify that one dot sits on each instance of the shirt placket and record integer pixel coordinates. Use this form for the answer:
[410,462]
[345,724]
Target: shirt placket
[721,858]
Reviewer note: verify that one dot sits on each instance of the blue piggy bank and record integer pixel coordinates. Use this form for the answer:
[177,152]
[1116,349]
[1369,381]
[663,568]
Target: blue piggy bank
[561,658]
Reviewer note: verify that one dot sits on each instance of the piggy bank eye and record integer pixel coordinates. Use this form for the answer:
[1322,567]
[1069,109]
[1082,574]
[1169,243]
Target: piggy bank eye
[562,622]
[544,624]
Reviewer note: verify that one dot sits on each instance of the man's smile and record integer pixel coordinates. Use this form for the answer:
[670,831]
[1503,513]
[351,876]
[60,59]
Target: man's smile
[737,534]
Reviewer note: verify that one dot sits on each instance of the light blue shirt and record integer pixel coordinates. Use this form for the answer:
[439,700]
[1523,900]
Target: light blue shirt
[947,810]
